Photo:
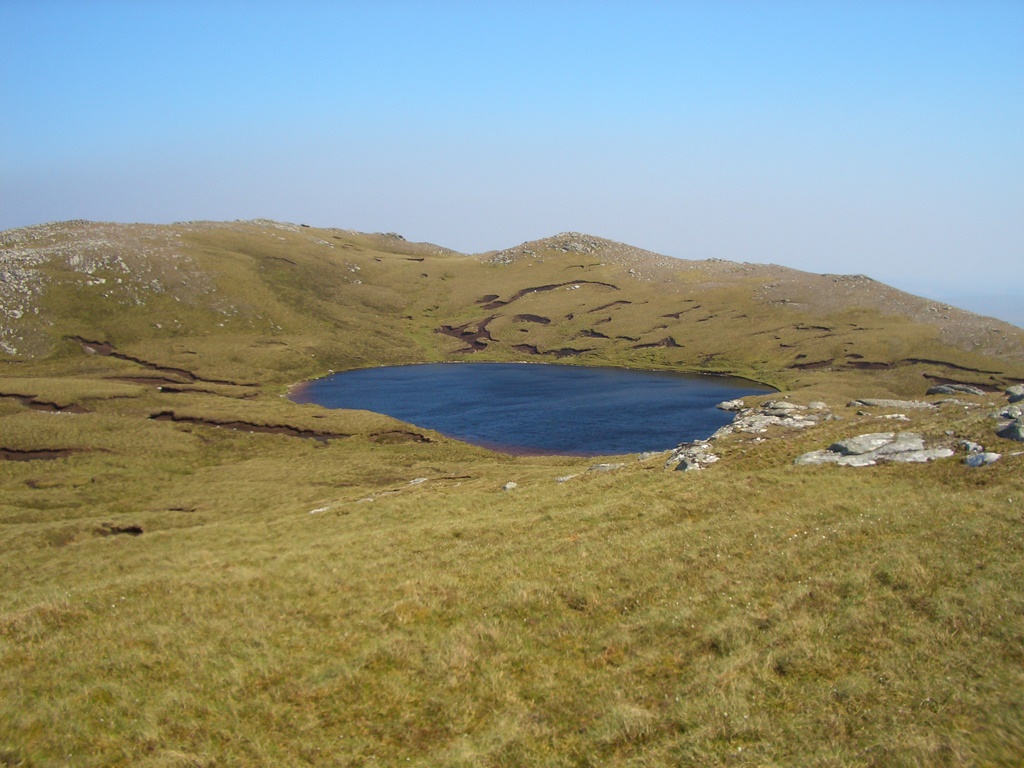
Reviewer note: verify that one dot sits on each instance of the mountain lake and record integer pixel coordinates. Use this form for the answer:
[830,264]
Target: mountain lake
[540,409]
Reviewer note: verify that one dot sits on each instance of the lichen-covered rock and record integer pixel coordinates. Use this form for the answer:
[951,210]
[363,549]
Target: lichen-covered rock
[952,389]
[917,457]
[905,442]
[869,449]
[731,405]
[769,415]
[862,443]
[691,456]
[863,460]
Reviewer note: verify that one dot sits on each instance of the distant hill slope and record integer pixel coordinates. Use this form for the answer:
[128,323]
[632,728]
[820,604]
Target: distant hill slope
[272,303]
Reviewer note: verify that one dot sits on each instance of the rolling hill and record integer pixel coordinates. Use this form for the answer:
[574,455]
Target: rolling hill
[299,301]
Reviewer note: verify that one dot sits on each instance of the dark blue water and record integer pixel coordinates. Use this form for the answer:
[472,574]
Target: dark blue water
[540,409]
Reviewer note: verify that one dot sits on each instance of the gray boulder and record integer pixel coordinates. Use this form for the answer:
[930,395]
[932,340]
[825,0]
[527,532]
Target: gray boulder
[981,459]
[1016,393]
[732,405]
[952,389]
[1009,412]
[862,443]
[1013,431]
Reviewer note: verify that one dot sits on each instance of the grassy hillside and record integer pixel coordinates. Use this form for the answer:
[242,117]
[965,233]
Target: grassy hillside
[198,572]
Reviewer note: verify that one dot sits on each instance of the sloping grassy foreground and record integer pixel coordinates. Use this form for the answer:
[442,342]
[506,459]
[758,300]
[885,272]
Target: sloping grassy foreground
[197,572]
[180,594]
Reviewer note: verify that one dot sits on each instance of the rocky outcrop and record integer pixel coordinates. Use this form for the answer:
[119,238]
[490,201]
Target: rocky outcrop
[774,413]
[875,402]
[731,405]
[689,456]
[954,389]
[869,449]
[859,450]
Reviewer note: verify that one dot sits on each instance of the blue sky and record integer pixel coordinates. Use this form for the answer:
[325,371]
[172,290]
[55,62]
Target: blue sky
[876,137]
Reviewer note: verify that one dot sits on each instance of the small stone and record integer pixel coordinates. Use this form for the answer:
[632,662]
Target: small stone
[1015,393]
[605,467]
[817,405]
[970,446]
[509,486]
[981,459]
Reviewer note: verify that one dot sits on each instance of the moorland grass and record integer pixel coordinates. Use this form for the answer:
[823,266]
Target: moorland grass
[194,593]
[291,602]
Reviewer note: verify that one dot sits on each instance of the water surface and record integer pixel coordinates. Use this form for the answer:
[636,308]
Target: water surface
[540,409]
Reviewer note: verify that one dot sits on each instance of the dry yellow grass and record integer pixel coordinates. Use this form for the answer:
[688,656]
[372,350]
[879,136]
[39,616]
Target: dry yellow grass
[189,593]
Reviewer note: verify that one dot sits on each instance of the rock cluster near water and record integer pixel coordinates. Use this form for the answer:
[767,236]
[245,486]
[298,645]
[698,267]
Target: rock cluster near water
[696,455]
[859,450]
[774,413]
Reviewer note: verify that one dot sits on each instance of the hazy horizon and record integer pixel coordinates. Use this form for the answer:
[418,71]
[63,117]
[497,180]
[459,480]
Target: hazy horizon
[877,138]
